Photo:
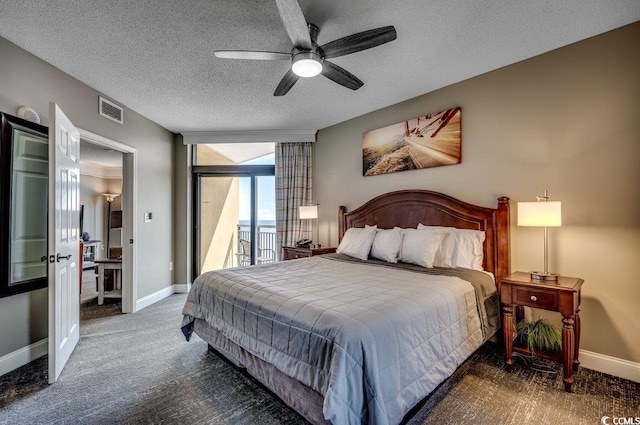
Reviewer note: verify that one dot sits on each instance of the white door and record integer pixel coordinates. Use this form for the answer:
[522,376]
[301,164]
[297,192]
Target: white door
[64,220]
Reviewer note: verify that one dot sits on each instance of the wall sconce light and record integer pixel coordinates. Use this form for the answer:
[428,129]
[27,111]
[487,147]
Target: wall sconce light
[542,213]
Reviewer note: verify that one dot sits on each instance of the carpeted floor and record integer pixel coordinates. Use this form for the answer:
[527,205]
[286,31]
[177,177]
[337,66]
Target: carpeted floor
[137,369]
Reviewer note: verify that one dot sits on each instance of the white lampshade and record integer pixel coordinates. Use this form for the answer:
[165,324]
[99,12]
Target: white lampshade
[540,214]
[306,212]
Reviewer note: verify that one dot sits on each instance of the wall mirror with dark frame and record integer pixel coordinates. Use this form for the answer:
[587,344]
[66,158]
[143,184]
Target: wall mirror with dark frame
[24,175]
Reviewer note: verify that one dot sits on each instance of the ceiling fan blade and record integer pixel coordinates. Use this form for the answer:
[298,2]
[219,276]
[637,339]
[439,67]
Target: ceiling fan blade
[286,83]
[340,76]
[294,22]
[248,54]
[360,41]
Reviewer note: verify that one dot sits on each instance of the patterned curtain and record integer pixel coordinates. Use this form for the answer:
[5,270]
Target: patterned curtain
[294,163]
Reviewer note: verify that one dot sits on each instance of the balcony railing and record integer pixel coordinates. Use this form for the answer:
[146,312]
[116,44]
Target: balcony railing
[266,238]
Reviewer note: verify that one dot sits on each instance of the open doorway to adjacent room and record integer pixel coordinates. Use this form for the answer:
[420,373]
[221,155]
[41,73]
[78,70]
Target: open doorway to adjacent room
[107,171]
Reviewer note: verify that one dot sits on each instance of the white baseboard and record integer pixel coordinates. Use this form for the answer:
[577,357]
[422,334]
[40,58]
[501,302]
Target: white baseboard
[143,302]
[23,356]
[182,288]
[154,298]
[610,365]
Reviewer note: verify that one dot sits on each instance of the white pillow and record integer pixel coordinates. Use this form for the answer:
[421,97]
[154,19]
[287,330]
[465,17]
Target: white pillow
[357,242]
[459,247]
[386,245]
[420,247]
[469,253]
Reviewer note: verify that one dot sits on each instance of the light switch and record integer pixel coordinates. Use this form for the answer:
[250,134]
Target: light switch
[148,216]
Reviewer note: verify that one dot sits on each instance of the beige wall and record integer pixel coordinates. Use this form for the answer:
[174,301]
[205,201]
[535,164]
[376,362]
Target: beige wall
[220,212]
[27,80]
[182,227]
[567,121]
[218,229]
[96,208]
[91,190]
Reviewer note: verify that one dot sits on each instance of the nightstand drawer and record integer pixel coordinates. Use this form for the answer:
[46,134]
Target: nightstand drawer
[537,298]
[292,255]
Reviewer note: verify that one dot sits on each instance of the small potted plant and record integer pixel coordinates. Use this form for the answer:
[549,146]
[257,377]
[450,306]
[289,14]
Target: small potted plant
[539,336]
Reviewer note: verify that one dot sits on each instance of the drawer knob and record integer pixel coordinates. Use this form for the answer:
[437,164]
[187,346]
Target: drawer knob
[534,298]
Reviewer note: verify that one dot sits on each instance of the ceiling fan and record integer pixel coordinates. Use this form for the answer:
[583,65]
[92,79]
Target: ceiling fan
[308,59]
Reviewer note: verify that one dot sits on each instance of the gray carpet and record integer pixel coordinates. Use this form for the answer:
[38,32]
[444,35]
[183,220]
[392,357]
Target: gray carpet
[137,369]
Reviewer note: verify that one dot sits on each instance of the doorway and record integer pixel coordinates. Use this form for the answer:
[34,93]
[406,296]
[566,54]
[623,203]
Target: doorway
[114,207]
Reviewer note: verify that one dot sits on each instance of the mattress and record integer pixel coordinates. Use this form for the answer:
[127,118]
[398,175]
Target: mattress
[372,338]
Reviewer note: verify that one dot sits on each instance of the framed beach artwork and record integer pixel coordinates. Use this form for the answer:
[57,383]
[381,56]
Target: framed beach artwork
[428,141]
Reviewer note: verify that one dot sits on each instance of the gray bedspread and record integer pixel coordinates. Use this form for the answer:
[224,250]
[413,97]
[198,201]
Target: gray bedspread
[372,339]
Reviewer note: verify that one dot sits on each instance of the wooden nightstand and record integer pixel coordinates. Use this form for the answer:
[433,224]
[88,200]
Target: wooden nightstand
[291,253]
[562,296]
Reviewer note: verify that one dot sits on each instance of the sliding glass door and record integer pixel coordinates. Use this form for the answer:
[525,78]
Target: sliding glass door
[234,216]
[234,206]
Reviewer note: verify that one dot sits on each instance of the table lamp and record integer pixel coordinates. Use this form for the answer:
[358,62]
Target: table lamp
[542,213]
[308,212]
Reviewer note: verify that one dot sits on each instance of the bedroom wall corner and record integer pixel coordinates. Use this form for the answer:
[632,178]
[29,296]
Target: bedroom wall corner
[566,121]
[182,215]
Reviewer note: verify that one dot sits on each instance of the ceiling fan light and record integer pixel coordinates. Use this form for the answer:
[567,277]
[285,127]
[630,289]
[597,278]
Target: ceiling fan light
[306,64]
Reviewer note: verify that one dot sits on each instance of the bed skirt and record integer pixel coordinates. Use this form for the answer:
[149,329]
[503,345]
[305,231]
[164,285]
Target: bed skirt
[304,400]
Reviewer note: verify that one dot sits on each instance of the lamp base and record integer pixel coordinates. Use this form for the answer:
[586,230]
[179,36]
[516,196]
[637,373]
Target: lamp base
[544,276]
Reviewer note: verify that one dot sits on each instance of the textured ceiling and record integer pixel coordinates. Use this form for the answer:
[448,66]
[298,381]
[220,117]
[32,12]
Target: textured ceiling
[95,155]
[156,56]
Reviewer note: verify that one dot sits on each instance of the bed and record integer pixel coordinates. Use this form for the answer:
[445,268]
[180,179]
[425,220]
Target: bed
[344,340]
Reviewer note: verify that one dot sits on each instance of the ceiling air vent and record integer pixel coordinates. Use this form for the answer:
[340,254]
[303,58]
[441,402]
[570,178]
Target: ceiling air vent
[110,110]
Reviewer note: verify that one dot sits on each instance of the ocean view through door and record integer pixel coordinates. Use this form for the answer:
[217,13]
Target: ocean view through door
[235,211]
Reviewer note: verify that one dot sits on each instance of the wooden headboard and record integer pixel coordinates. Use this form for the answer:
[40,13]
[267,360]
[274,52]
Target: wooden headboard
[408,208]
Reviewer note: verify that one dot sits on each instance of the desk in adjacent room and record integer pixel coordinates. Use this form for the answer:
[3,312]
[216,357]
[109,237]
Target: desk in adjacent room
[117,284]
